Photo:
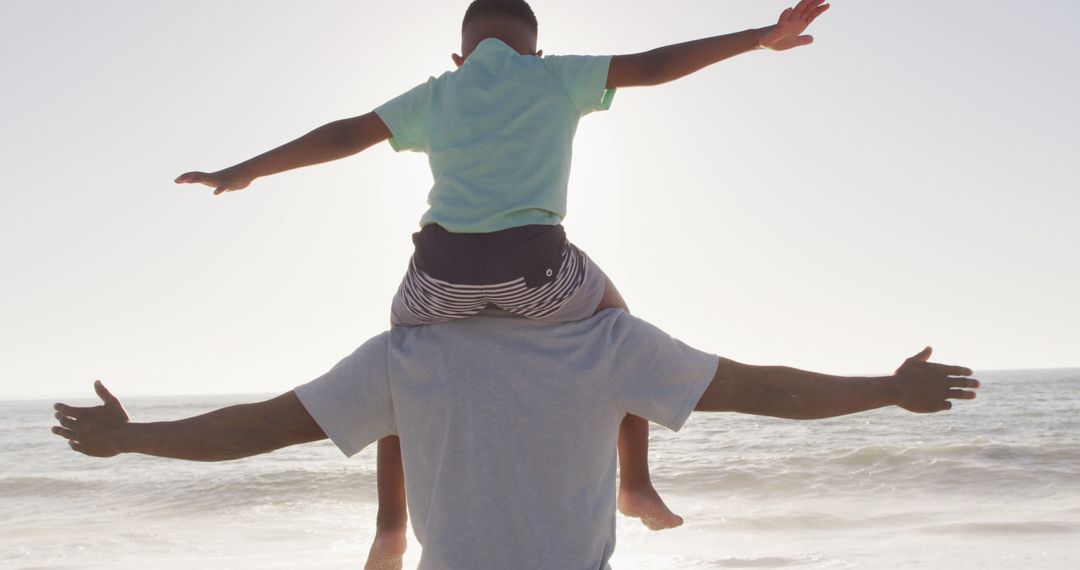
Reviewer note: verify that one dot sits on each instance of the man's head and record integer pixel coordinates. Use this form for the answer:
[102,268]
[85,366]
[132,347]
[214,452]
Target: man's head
[511,21]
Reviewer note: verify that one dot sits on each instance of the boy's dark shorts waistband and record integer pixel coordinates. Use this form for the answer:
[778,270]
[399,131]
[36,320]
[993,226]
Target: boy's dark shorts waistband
[533,252]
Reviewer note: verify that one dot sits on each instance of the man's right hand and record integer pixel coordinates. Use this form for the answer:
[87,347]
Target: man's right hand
[924,387]
[228,180]
[95,431]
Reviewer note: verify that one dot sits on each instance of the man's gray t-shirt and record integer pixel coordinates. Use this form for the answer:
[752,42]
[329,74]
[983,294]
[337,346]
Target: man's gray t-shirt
[508,428]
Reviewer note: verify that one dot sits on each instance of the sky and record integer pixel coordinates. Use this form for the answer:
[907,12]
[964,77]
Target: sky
[908,180]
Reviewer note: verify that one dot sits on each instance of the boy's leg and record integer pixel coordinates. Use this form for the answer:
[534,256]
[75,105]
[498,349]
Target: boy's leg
[637,496]
[388,548]
[611,299]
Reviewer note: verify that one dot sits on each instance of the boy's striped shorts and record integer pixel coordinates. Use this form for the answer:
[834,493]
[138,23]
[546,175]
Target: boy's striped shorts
[573,294]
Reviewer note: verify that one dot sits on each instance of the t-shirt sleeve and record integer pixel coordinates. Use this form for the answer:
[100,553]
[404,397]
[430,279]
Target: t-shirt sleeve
[351,402]
[656,376]
[406,117]
[585,79]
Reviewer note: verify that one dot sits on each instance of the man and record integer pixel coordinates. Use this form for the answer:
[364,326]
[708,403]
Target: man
[508,426]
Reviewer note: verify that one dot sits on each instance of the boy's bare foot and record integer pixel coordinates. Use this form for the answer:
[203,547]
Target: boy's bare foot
[646,504]
[387,550]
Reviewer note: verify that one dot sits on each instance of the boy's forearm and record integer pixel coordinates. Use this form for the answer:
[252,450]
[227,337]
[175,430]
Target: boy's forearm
[329,142]
[673,62]
[683,59]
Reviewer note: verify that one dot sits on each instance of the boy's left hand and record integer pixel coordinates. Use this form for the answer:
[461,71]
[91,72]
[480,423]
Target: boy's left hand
[787,33]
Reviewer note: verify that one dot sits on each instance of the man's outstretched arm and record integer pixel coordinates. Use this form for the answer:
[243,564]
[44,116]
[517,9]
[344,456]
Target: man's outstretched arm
[917,386]
[229,433]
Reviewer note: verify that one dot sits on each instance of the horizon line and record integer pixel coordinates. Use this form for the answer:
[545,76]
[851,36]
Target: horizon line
[144,395]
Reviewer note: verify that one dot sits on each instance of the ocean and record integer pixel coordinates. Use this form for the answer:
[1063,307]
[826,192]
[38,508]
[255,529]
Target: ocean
[993,484]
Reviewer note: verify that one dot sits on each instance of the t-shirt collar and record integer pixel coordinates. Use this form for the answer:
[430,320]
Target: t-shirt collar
[490,45]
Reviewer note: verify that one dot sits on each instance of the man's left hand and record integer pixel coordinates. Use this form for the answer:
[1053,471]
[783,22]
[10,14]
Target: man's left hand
[95,431]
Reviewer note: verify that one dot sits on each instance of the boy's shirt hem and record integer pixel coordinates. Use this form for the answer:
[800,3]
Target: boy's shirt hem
[496,224]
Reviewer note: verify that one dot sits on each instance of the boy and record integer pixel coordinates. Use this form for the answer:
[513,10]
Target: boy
[498,132]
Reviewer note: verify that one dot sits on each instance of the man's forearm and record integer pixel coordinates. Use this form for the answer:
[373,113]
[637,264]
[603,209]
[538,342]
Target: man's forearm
[785,392]
[220,435]
[234,432]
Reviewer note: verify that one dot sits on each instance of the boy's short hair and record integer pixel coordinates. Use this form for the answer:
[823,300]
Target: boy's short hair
[519,9]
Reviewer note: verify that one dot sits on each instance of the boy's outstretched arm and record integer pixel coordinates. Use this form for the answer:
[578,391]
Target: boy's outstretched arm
[328,142]
[672,62]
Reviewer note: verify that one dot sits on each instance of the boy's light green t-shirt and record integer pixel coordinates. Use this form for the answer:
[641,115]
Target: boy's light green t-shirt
[499,133]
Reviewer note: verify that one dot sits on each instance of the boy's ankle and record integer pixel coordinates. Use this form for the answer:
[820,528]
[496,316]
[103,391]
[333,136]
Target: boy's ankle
[635,482]
[392,525]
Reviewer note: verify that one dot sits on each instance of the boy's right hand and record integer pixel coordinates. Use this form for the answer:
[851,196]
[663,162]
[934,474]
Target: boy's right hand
[228,180]
[787,33]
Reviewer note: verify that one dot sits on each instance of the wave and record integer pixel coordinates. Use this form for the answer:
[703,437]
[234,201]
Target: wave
[177,494]
[1004,528]
[763,562]
[19,487]
[964,467]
